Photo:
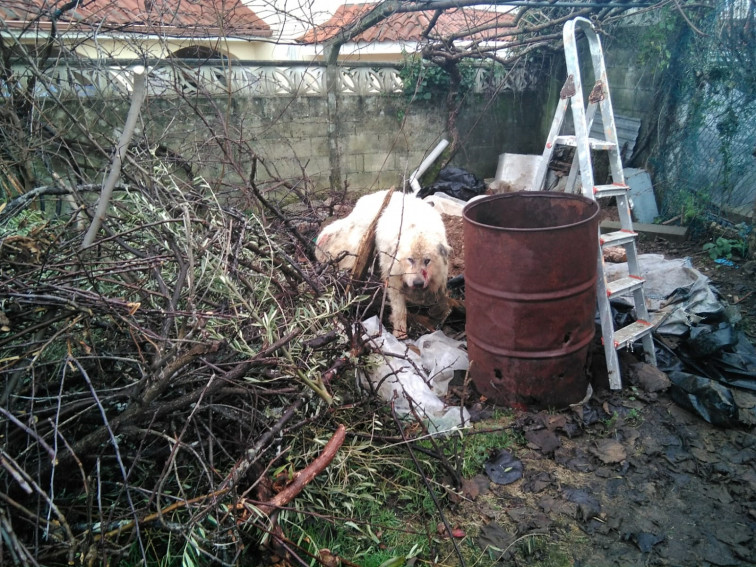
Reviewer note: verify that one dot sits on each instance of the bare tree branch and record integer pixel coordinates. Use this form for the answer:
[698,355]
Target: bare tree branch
[137,98]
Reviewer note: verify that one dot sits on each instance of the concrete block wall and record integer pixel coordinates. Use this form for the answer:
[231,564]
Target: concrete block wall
[382,139]
[633,85]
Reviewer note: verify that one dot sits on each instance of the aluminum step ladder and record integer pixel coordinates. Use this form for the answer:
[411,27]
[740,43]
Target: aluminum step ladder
[571,95]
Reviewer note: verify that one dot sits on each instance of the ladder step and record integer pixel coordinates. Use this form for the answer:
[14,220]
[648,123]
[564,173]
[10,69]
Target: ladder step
[623,286]
[633,332]
[613,190]
[618,238]
[593,143]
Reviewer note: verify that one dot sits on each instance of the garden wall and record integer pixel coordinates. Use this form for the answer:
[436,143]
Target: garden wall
[280,115]
[383,138]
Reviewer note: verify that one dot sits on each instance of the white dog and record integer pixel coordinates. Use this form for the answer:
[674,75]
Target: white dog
[410,241]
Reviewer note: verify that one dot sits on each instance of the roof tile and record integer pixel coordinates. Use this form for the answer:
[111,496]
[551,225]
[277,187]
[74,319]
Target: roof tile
[164,17]
[409,26]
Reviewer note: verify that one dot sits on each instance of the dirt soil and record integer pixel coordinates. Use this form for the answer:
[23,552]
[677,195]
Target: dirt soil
[630,478]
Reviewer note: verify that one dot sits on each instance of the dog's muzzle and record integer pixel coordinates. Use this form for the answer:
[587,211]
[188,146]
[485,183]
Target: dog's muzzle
[418,283]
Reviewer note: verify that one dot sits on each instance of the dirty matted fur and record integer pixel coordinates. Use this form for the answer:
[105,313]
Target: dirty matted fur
[410,241]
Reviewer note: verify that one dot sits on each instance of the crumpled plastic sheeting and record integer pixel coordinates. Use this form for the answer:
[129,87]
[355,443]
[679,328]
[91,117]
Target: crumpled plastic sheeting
[709,399]
[719,352]
[738,368]
[396,372]
[676,287]
[710,354]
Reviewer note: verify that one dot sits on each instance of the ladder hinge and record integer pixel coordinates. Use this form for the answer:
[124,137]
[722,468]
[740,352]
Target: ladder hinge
[597,94]
[568,90]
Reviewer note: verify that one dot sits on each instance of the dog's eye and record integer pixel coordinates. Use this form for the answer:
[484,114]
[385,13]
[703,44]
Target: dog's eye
[426,261]
[411,261]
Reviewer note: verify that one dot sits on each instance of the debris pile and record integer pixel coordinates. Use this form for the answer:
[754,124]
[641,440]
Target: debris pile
[698,344]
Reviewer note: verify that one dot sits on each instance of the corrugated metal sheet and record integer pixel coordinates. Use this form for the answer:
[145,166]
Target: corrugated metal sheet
[163,17]
[627,132]
[410,26]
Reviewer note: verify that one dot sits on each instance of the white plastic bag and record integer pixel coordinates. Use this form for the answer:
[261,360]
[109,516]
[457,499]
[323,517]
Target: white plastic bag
[396,372]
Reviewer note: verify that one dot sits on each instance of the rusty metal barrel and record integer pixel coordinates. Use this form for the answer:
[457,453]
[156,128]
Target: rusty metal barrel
[530,296]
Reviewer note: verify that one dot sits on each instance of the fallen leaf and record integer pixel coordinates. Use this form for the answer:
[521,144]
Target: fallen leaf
[504,469]
[609,451]
[328,559]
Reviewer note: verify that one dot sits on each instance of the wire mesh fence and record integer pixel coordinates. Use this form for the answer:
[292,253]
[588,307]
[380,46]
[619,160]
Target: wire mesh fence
[707,164]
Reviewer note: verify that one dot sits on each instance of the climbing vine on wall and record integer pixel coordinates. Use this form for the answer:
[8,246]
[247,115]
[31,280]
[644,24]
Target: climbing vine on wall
[656,43]
[424,80]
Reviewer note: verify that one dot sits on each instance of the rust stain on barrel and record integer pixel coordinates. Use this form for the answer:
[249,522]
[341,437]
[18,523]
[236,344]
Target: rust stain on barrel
[530,296]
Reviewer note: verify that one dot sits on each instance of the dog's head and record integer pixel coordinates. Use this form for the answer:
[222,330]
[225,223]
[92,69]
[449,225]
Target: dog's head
[423,265]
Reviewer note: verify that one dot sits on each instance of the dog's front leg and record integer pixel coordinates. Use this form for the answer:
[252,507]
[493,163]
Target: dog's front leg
[398,310]
[440,308]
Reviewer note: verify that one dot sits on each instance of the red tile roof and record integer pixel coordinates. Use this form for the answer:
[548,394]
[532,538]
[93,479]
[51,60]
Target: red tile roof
[409,26]
[179,18]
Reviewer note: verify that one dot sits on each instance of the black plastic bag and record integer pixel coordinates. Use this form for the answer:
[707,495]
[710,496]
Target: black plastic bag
[455,182]
[721,353]
[705,340]
[709,399]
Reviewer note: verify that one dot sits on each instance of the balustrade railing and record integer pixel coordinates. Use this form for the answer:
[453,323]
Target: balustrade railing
[168,78]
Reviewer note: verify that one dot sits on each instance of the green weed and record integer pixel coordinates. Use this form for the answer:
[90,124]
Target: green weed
[725,248]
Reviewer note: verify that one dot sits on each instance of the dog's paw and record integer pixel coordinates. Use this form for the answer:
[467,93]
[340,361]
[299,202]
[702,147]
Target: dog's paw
[401,334]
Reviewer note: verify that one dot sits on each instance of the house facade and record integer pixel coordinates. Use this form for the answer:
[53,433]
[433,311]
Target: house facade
[137,29]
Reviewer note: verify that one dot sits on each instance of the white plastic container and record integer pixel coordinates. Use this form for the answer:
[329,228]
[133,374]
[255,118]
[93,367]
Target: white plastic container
[516,172]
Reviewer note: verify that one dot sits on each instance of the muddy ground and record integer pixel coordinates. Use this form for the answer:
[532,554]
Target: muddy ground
[630,477]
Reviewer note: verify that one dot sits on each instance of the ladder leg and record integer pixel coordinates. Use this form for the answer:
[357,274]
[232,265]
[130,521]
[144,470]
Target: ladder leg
[590,113]
[548,151]
[573,175]
[607,327]
[649,352]
[582,117]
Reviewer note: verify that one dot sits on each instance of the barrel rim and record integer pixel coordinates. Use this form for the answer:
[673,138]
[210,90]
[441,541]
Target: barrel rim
[531,194]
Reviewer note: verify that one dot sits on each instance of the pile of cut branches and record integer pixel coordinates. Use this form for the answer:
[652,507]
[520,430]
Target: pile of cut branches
[146,380]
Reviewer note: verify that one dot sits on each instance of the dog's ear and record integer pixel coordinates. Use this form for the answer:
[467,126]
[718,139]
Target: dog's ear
[443,250]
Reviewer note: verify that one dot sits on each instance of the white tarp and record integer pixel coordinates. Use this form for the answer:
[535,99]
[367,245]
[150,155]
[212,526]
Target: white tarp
[675,288]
